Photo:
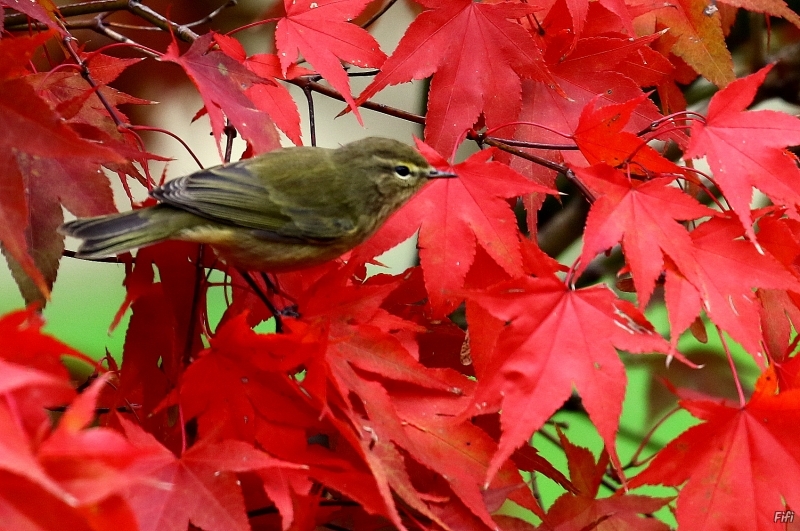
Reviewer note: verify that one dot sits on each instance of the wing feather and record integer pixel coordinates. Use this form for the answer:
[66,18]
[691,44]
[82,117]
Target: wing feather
[267,202]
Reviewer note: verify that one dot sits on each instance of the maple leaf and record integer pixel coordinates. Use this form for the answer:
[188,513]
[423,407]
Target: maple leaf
[91,464]
[160,333]
[776,8]
[73,98]
[48,512]
[457,215]
[461,453]
[700,39]
[582,510]
[223,82]
[243,380]
[365,359]
[780,309]
[30,388]
[728,299]
[30,202]
[316,30]
[363,334]
[557,338]
[43,11]
[199,487]
[747,149]
[589,70]
[79,472]
[456,40]
[734,450]
[601,138]
[275,99]
[33,374]
[642,216]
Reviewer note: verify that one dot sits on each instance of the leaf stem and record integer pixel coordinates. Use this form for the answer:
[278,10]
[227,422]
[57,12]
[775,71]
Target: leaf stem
[739,391]
[634,461]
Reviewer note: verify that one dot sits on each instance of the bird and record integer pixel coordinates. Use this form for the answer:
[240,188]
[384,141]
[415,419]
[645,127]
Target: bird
[283,210]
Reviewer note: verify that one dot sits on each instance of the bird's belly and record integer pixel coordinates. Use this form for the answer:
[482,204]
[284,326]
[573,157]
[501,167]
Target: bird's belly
[240,248]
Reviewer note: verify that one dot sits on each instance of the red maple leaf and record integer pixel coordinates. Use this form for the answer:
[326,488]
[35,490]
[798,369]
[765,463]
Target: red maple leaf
[735,450]
[45,14]
[275,99]
[557,338]
[44,164]
[780,309]
[589,70]
[454,216]
[321,31]
[642,216]
[223,83]
[91,464]
[230,384]
[583,510]
[78,471]
[456,41]
[728,298]
[200,487]
[33,374]
[601,138]
[698,37]
[584,72]
[747,149]
[364,335]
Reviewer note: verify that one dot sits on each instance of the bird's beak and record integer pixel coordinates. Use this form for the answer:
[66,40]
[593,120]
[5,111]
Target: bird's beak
[436,174]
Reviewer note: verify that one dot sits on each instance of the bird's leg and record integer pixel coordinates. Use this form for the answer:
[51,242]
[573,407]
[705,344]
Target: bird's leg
[289,311]
[263,296]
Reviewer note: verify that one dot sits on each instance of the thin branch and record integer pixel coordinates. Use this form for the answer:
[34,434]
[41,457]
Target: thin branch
[230,134]
[88,77]
[365,73]
[19,21]
[568,173]
[265,299]
[312,122]
[302,82]
[379,14]
[205,20]
[195,306]
[534,145]
[107,260]
[647,439]
[181,31]
[102,28]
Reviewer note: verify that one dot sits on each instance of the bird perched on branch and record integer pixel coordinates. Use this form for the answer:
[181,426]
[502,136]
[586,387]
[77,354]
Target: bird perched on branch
[283,210]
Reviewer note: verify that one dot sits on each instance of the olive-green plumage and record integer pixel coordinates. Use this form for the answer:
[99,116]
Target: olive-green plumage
[283,210]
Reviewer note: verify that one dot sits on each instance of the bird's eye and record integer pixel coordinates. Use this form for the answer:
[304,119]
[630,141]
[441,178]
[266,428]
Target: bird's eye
[402,171]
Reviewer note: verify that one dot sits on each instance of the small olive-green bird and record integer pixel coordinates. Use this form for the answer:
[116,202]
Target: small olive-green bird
[283,210]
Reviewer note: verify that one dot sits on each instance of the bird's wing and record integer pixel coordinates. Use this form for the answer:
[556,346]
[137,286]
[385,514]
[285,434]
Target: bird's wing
[234,195]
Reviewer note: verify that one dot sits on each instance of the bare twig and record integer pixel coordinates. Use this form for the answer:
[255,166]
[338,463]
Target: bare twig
[195,306]
[312,122]
[88,77]
[302,82]
[568,173]
[19,21]
[379,14]
[230,134]
[533,145]
[181,31]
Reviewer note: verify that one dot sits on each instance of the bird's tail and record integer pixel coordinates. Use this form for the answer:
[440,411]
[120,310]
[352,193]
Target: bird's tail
[116,233]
